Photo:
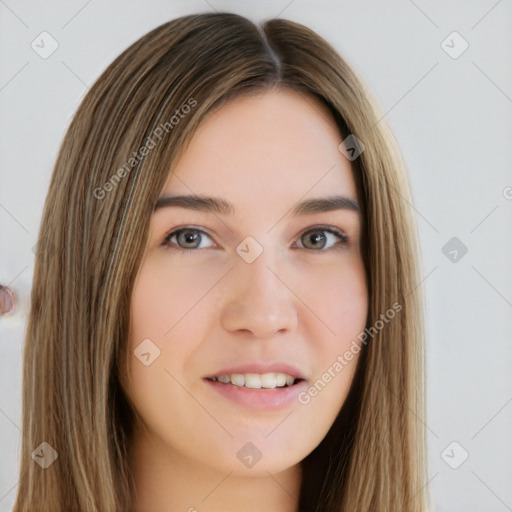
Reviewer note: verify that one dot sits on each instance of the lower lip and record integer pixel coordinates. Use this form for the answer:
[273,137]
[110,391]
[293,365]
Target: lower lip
[274,399]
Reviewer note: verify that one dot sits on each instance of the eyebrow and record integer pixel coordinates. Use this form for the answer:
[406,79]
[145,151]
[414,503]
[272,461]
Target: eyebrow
[223,207]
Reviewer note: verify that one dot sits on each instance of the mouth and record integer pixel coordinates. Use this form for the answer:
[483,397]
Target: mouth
[258,387]
[270,380]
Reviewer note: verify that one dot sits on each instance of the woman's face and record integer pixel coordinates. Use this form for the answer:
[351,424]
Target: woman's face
[255,292]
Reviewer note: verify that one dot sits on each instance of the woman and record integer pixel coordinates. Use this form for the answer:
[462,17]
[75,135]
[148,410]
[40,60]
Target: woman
[225,312]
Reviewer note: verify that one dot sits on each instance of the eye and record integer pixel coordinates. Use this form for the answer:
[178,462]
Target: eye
[186,238]
[323,237]
[319,238]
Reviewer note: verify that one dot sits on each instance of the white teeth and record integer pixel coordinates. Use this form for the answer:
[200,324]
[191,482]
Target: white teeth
[268,380]
[257,380]
[280,380]
[237,379]
[252,380]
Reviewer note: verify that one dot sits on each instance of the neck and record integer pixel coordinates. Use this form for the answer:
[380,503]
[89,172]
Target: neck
[166,481]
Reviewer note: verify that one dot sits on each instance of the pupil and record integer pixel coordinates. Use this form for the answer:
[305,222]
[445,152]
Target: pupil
[316,237]
[190,237]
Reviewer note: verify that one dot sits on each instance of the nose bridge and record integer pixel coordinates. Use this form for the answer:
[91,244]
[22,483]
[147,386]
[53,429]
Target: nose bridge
[258,301]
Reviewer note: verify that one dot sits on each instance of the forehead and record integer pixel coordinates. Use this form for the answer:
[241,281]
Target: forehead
[273,146]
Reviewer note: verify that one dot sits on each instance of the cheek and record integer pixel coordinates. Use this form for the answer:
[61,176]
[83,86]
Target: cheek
[337,295]
[166,308]
[164,299]
[172,308]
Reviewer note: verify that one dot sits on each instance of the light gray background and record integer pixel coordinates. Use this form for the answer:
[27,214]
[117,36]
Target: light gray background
[453,122]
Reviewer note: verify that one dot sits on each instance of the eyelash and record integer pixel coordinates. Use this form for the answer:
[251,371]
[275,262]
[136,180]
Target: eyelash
[343,239]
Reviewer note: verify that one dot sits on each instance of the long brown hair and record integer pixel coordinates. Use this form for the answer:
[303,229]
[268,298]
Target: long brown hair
[92,241]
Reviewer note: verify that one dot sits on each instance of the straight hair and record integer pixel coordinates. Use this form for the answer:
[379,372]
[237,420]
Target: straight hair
[94,234]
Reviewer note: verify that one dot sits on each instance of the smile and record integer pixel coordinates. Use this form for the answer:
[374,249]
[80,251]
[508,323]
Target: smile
[257,380]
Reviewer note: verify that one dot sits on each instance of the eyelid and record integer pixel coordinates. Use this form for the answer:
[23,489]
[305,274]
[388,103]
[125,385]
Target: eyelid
[184,227]
[343,238]
[328,227]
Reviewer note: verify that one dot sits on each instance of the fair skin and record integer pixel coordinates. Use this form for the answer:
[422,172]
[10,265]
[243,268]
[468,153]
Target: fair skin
[292,310]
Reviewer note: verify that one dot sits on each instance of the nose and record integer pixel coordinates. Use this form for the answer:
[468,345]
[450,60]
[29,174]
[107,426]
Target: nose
[258,300]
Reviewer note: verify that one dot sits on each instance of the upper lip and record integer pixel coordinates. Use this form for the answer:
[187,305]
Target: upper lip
[261,368]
